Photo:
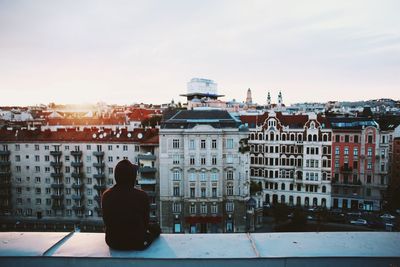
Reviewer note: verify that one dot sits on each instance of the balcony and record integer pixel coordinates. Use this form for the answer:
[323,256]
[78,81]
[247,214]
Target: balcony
[99,176]
[56,164]
[347,183]
[100,187]
[97,198]
[56,206]
[76,153]
[57,185]
[346,169]
[146,157]
[78,208]
[5,164]
[77,175]
[56,174]
[98,165]
[147,169]
[98,153]
[4,152]
[146,181]
[77,164]
[54,196]
[77,186]
[77,197]
[56,153]
[5,174]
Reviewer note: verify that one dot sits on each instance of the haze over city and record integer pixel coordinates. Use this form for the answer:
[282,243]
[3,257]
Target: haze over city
[127,51]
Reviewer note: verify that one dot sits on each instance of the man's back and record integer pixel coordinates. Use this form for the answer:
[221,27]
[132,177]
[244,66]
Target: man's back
[126,216]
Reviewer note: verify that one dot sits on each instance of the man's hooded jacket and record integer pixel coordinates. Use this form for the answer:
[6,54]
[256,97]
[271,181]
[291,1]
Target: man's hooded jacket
[125,210]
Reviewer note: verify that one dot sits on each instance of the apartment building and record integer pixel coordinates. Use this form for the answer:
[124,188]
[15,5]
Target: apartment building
[204,178]
[360,163]
[49,176]
[290,158]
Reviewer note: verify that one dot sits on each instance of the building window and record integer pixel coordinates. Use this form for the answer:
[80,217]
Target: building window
[175,143]
[125,148]
[192,209]
[337,150]
[369,165]
[192,176]
[355,151]
[192,144]
[203,192]
[229,143]
[203,176]
[214,176]
[37,179]
[192,192]
[229,175]
[38,190]
[176,192]
[214,192]
[203,208]
[369,139]
[214,144]
[46,158]
[176,207]
[229,190]
[175,159]
[203,161]
[229,206]
[229,158]
[369,152]
[214,209]
[214,160]
[176,175]
[192,160]
[346,150]
[203,144]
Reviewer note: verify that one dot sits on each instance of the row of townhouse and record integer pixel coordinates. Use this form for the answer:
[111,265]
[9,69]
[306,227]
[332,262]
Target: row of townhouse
[59,176]
[310,160]
[197,169]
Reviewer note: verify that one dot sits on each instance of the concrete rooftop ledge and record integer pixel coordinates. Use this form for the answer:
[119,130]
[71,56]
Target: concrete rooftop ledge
[272,249]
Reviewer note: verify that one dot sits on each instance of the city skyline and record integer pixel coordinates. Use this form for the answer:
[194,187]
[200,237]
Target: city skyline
[130,52]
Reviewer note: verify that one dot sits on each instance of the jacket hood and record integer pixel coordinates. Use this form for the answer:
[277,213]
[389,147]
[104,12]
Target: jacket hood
[125,173]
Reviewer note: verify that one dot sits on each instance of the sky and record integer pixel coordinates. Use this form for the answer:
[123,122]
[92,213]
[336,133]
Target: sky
[124,52]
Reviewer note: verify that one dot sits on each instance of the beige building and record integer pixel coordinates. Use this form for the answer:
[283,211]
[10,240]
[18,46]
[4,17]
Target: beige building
[204,178]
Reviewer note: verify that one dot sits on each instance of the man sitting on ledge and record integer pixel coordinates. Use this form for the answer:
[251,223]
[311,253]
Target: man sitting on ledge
[126,212]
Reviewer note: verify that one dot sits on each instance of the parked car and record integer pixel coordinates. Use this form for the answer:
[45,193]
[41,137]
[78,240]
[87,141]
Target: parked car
[387,216]
[359,222]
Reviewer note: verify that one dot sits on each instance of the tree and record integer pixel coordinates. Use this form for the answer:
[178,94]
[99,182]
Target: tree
[280,212]
[255,188]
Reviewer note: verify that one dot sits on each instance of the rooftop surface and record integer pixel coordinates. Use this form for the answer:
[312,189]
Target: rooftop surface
[272,249]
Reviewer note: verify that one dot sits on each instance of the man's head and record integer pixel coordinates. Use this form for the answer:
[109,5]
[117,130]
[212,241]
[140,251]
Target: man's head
[125,172]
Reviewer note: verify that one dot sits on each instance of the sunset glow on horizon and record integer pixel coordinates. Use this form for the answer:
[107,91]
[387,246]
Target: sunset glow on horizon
[124,52]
